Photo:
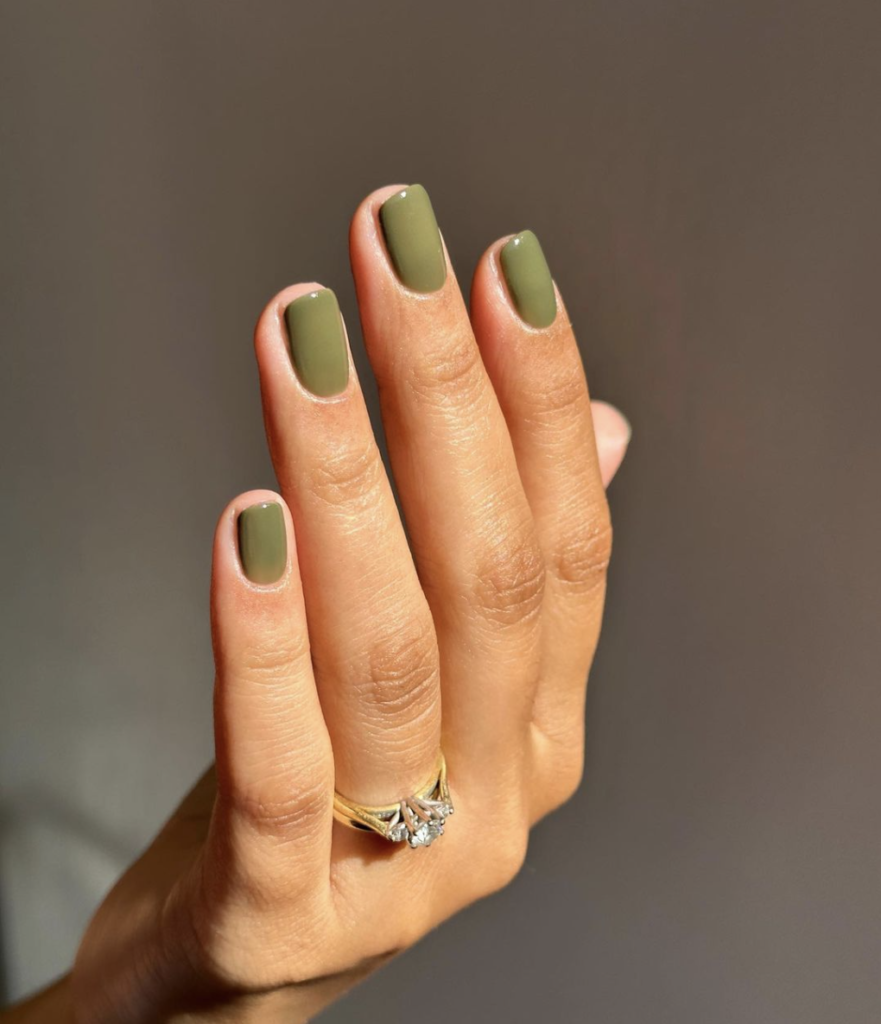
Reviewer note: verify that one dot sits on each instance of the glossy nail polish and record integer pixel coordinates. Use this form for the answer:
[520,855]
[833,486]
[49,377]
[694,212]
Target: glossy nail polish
[529,280]
[263,542]
[413,240]
[317,343]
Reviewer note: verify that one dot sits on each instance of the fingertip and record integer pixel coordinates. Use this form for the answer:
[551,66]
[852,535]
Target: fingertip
[613,432]
[487,285]
[611,423]
[521,298]
[365,232]
[254,540]
[369,206]
[396,244]
[269,329]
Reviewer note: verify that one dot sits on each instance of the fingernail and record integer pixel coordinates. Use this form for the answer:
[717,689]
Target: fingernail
[317,343]
[628,428]
[263,542]
[413,240]
[529,280]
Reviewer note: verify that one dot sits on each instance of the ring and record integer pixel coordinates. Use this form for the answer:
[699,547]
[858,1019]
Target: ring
[419,819]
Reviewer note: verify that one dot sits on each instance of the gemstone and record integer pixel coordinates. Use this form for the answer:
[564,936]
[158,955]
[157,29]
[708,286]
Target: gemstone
[398,833]
[426,833]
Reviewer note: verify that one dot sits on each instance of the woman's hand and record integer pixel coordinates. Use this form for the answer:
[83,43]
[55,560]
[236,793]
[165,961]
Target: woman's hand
[347,658]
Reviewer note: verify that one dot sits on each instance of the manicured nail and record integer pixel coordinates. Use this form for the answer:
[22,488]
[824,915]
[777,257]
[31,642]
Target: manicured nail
[263,542]
[413,240]
[529,280]
[318,343]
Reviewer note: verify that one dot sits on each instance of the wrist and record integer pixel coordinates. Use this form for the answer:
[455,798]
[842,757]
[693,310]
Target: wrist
[293,1004]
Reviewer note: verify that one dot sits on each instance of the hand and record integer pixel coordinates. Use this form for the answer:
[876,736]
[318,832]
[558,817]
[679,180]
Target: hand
[346,659]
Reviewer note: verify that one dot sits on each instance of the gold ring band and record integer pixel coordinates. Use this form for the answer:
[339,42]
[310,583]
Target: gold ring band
[419,819]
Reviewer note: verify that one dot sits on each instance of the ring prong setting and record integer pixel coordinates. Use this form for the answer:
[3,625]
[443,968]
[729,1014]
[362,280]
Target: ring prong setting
[417,820]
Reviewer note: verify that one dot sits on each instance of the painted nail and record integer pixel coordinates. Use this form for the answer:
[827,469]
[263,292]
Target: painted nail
[413,240]
[263,542]
[529,280]
[317,343]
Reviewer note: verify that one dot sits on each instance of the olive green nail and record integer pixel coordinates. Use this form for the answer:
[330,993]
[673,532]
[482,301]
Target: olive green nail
[263,542]
[318,343]
[413,240]
[529,280]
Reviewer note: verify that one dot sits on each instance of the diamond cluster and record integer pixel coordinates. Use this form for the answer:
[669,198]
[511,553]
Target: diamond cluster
[419,821]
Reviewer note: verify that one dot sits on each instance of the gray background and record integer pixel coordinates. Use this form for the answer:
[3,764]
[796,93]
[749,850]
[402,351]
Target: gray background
[705,177]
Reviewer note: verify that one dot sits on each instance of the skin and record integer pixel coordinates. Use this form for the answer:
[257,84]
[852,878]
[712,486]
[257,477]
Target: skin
[252,904]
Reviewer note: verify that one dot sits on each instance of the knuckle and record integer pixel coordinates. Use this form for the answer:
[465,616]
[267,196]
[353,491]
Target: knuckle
[560,400]
[579,561]
[218,929]
[560,770]
[278,807]
[489,870]
[389,934]
[509,858]
[403,670]
[453,374]
[349,475]
[243,948]
[403,935]
[567,781]
[509,581]
[276,658]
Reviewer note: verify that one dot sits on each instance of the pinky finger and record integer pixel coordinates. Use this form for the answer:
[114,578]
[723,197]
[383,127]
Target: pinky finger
[612,434]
